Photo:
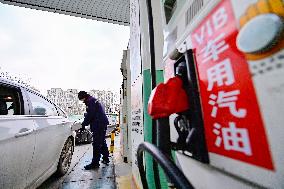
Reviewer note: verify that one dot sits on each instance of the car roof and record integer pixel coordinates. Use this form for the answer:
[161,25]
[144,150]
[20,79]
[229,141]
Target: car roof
[13,83]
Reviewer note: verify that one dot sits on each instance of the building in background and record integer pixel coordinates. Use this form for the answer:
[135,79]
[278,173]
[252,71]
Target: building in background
[68,100]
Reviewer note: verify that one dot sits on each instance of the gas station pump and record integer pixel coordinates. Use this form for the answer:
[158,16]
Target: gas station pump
[189,124]
[232,110]
[180,96]
[166,99]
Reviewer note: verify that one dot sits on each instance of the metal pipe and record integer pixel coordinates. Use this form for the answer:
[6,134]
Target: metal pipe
[163,135]
[153,81]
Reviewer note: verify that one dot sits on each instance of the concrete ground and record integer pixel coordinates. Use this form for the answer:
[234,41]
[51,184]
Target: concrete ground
[116,175]
[123,172]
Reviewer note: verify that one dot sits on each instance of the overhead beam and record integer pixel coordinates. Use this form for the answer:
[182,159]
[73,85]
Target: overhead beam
[111,11]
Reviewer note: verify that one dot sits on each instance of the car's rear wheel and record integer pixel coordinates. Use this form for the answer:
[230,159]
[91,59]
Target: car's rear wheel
[65,158]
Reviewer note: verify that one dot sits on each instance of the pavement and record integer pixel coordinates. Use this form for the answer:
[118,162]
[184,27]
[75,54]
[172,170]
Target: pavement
[123,172]
[115,175]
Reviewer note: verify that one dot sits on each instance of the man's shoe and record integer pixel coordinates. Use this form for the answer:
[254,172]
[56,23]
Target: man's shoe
[91,166]
[105,162]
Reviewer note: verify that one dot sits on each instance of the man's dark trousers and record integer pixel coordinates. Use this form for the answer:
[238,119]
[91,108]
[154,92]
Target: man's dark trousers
[99,144]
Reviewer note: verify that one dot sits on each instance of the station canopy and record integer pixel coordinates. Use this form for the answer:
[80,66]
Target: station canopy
[111,11]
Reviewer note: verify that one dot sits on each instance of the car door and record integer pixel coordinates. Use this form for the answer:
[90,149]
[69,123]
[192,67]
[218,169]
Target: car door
[51,133]
[17,139]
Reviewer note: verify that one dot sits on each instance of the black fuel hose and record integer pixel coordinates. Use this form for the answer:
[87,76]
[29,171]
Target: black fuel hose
[170,169]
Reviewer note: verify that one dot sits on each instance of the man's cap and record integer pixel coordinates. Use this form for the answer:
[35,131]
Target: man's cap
[82,94]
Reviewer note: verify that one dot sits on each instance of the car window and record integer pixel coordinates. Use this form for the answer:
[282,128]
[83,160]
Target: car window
[41,106]
[9,101]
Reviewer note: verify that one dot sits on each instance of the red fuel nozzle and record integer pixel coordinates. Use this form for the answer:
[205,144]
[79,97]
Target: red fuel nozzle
[168,98]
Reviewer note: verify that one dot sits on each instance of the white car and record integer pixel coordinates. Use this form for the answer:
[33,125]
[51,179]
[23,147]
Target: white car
[36,139]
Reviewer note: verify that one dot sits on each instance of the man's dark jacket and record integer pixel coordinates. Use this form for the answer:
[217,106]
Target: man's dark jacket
[95,116]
